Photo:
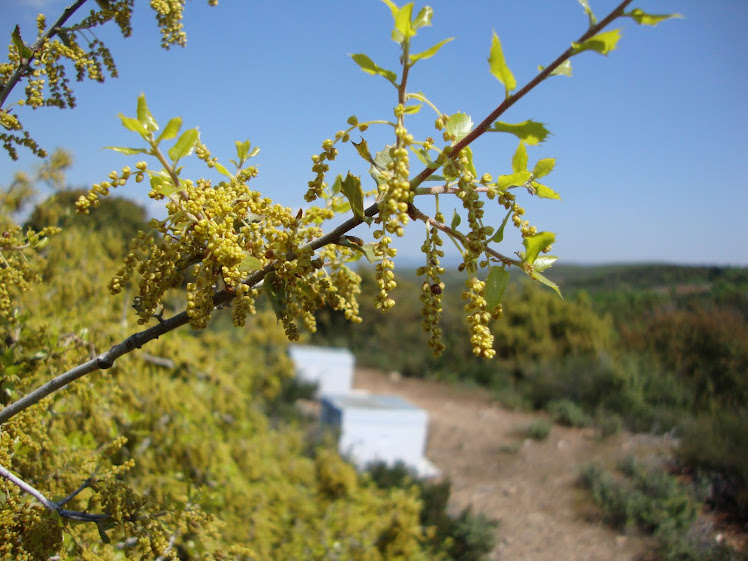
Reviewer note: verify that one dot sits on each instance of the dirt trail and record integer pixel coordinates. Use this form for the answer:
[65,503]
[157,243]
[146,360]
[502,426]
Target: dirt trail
[529,486]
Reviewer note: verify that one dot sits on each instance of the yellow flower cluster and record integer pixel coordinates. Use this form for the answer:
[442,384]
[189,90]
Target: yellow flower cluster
[432,287]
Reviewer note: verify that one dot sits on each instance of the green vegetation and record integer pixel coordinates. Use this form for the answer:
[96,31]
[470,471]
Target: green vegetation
[539,429]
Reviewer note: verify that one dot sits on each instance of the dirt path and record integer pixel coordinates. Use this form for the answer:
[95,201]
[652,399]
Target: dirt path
[529,486]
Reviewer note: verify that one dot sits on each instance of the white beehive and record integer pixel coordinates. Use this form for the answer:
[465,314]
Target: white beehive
[378,428]
[331,368]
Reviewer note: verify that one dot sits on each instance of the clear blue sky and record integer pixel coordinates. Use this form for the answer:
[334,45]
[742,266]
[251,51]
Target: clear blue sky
[651,141]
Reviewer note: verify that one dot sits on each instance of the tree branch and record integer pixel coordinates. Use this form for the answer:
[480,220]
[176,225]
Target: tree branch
[51,505]
[139,339]
[26,65]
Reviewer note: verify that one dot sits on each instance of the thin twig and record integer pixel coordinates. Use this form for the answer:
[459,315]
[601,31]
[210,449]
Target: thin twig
[51,505]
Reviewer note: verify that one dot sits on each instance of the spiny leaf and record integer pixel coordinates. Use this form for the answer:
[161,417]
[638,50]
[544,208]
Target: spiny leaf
[431,51]
[459,125]
[530,132]
[381,161]
[601,43]
[370,67]
[544,192]
[519,160]
[185,145]
[145,116]
[642,18]
[363,150]
[351,188]
[563,69]
[535,244]
[496,283]
[171,130]
[498,66]
[543,167]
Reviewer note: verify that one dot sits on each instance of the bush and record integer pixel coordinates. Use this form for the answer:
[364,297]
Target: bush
[539,429]
[566,412]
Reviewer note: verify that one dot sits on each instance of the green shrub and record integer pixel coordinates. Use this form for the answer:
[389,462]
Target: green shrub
[539,429]
[566,412]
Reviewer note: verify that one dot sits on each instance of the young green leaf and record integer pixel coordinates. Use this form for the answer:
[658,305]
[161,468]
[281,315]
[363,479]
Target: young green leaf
[24,50]
[128,151]
[498,237]
[543,167]
[275,289]
[423,19]
[412,109]
[601,43]
[403,26]
[242,149]
[431,51]
[223,171]
[544,262]
[171,130]
[250,263]
[185,145]
[519,160]
[134,125]
[544,192]
[380,164]
[363,150]
[498,66]
[513,180]
[370,67]
[144,115]
[459,125]
[456,219]
[351,188]
[496,283]
[642,18]
[530,132]
[163,185]
[548,282]
[563,69]
[535,244]
[587,10]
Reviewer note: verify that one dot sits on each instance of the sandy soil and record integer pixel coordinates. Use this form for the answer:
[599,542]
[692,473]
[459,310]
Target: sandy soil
[529,486]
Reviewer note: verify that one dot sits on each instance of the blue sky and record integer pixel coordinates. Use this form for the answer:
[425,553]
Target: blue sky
[650,141]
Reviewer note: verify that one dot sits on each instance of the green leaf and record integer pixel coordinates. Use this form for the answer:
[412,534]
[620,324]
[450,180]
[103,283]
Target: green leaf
[563,69]
[546,281]
[459,125]
[530,132]
[250,263]
[543,167]
[601,43]
[498,66]
[337,185]
[242,149]
[423,19]
[403,27]
[513,180]
[470,166]
[642,18]
[340,205]
[351,188]
[134,125]
[223,171]
[381,161]
[102,534]
[544,192]
[411,109]
[144,115]
[23,49]
[370,67]
[163,185]
[587,10]
[363,150]
[431,51]
[519,160]
[275,289]
[544,262]
[185,145]
[498,237]
[496,283]
[171,130]
[367,250]
[535,244]
[128,151]
[456,219]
